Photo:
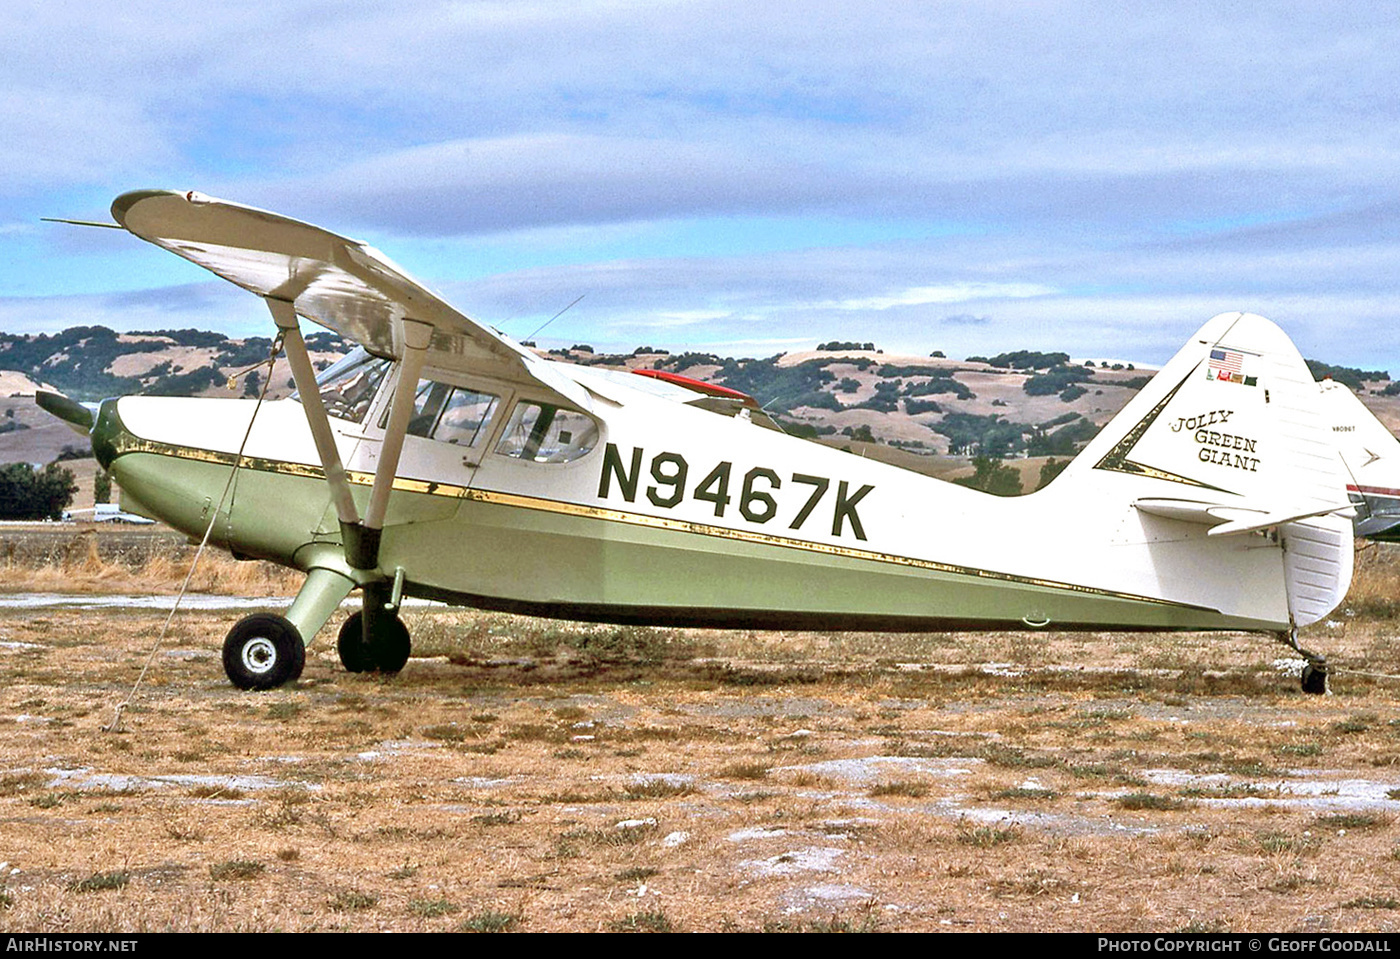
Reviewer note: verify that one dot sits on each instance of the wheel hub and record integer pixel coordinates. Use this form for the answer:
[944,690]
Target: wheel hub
[259,655]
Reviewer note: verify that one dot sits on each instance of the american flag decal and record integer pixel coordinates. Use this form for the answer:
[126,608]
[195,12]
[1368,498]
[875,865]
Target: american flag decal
[1226,366]
[1226,361]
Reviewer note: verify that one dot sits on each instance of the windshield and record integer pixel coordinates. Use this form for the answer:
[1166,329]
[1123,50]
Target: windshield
[348,385]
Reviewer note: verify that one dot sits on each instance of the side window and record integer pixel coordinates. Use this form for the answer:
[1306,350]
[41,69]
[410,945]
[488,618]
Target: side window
[448,414]
[542,433]
[464,416]
[427,407]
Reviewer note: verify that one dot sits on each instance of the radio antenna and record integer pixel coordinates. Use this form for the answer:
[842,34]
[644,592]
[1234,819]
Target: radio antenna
[555,317]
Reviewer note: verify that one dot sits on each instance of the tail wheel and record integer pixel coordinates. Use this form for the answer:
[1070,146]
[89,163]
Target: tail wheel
[387,650]
[263,651]
[1315,678]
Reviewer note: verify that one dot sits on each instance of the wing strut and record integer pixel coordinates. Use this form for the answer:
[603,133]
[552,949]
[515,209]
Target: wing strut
[285,315]
[382,634]
[416,337]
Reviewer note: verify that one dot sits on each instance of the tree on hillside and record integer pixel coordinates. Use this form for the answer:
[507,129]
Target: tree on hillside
[992,476]
[25,494]
[1049,470]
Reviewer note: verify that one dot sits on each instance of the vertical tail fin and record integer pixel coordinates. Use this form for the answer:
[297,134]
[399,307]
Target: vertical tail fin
[1229,435]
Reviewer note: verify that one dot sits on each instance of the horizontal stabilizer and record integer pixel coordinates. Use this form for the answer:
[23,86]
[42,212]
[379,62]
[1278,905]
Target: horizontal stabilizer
[1249,521]
[1226,520]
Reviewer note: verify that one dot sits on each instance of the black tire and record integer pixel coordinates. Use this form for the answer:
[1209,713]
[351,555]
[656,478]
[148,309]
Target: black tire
[354,654]
[1315,679]
[388,648]
[263,651]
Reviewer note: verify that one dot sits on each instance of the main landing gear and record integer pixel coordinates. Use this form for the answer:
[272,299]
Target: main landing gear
[264,651]
[375,639]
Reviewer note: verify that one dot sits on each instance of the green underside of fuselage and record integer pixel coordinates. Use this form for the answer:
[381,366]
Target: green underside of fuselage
[553,559]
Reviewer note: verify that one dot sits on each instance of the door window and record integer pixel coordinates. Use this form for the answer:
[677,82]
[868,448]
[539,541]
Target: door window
[543,433]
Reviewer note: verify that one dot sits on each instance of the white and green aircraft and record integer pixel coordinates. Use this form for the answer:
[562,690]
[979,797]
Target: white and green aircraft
[444,460]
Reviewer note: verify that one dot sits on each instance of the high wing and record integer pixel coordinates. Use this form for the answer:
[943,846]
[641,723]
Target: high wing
[340,283]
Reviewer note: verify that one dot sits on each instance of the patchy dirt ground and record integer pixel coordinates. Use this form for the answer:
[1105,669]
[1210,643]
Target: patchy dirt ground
[545,776]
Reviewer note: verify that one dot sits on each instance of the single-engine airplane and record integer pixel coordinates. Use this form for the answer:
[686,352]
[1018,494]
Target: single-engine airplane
[444,460]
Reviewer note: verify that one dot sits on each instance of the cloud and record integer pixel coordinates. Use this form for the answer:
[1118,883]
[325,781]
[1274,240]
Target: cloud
[1135,169]
[49,138]
[215,305]
[955,293]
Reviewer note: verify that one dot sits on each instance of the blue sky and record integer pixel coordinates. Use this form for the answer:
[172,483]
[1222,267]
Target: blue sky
[744,178]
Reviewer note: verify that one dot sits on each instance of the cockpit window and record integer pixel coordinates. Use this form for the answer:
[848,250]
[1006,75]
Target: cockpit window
[449,414]
[542,433]
[349,384]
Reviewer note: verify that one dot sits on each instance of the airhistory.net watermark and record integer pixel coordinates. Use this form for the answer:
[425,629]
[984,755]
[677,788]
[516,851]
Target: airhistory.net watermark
[62,944]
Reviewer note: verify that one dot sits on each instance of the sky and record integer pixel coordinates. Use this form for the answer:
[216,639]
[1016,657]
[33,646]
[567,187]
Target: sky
[742,178]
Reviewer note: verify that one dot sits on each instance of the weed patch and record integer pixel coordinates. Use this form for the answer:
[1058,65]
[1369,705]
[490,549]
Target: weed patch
[744,771]
[913,790]
[987,837]
[1279,842]
[1150,801]
[635,874]
[433,908]
[285,710]
[213,791]
[1026,792]
[100,882]
[657,789]
[351,900]
[236,869]
[1353,821]
[491,922]
[651,921]
[13,784]
[497,819]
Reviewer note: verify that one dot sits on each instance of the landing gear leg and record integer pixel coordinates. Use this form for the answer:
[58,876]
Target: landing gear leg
[1314,679]
[317,599]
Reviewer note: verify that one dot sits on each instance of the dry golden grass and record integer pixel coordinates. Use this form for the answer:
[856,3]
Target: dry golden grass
[530,775]
[76,562]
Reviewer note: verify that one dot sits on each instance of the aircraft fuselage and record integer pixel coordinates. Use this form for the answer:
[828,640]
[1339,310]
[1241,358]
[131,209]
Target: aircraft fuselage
[679,515]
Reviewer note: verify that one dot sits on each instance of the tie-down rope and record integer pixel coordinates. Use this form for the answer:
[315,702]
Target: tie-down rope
[115,726]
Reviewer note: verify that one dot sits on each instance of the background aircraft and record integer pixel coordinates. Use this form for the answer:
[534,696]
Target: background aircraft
[1372,457]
